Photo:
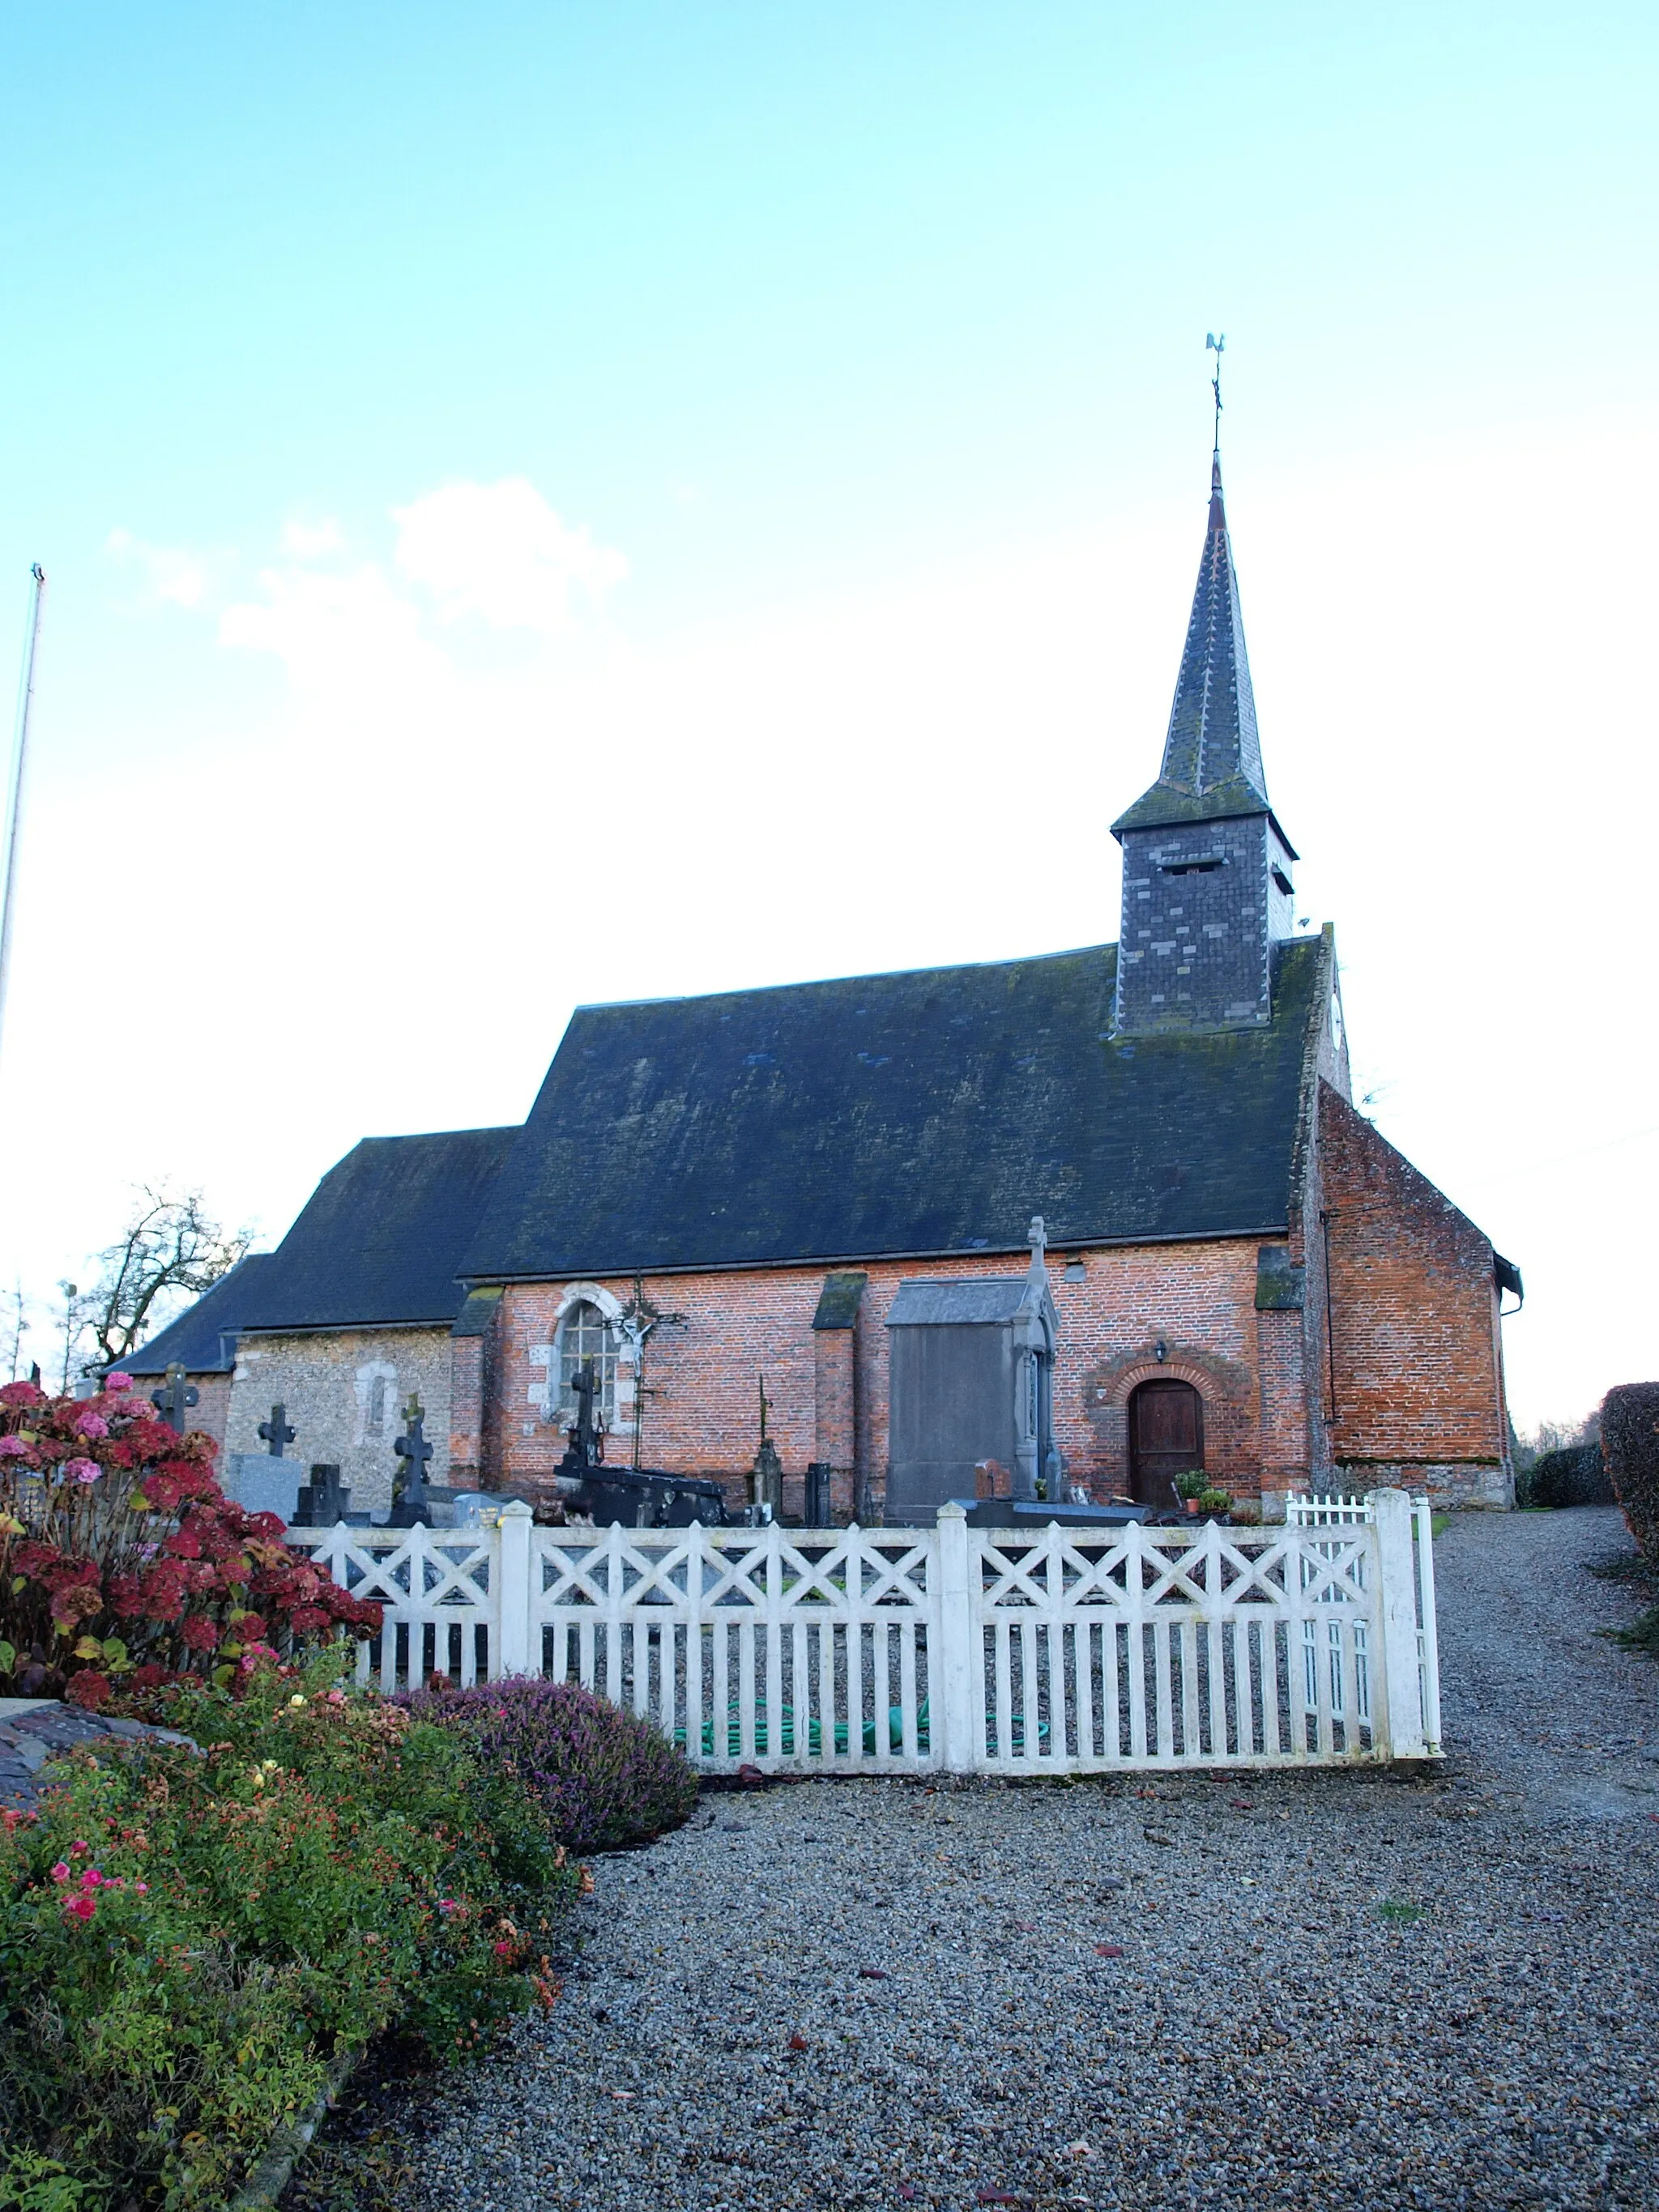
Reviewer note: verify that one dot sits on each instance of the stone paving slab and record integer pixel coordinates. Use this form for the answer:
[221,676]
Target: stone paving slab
[35,1731]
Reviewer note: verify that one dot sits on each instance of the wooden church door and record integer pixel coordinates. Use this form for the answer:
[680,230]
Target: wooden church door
[1166,1437]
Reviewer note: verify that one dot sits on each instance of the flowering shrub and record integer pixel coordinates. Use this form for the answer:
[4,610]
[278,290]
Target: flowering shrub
[120,1557]
[604,1777]
[188,1938]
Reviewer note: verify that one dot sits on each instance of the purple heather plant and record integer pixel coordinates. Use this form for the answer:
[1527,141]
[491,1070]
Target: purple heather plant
[604,1777]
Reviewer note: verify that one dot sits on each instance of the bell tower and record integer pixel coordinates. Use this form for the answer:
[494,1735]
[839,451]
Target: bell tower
[1207,888]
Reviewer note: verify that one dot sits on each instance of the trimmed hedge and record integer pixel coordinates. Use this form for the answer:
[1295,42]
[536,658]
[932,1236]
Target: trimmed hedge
[1574,1474]
[604,1778]
[188,1937]
[1630,1438]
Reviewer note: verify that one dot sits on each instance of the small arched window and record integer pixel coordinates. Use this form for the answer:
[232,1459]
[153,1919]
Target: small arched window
[376,1423]
[585,1333]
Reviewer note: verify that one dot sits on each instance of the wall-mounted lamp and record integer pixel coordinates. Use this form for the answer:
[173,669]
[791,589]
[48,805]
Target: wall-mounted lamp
[1160,1352]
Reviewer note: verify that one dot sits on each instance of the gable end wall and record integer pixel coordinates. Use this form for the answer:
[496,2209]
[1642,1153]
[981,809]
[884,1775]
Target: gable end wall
[1412,1378]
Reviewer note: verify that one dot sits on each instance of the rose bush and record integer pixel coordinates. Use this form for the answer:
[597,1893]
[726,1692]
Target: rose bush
[189,1937]
[123,1563]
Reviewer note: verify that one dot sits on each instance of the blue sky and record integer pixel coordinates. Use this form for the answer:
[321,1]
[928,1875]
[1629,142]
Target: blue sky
[545,504]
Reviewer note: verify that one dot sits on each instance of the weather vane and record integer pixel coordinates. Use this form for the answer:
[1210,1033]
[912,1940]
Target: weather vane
[1215,342]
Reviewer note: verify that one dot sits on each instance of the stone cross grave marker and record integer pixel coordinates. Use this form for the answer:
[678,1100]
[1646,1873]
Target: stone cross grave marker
[276,1432]
[173,1401]
[413,1449]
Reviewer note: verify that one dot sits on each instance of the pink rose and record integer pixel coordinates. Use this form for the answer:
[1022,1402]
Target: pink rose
[503,1950]
[81,1470]
[141,1888]
[81,1907]
[60,1872]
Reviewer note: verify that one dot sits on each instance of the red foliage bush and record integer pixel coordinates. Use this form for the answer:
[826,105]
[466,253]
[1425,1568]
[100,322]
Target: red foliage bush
[121,1557]
[1630,1444]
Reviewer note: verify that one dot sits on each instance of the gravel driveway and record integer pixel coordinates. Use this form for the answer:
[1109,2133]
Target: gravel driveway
[1323,1989]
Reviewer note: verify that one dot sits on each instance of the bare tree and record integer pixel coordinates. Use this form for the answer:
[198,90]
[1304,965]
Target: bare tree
[73,1316]
[14,1321]
[171,1244]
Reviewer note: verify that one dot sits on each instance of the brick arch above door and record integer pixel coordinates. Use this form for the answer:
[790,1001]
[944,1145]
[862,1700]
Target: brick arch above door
[1215,1377]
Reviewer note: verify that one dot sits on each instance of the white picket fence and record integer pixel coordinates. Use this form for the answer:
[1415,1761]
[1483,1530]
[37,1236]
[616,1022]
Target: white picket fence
[1320,1512]
[1051,1651]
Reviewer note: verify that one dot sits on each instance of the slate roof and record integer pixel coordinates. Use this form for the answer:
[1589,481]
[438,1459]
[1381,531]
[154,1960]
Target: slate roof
[382,1234]
[1213,751]
[929,1303]
[923,1113]
[203,1340]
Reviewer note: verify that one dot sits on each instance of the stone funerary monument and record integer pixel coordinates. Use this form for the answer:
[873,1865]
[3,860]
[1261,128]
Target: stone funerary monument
[1246,1277]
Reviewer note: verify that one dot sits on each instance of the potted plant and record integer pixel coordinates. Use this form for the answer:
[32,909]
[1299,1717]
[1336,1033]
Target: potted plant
[1212,1502]
[1191,1486]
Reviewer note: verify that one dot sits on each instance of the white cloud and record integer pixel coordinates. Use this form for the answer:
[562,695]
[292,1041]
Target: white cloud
[309,541]
[342,638]
[171,575]
[499,551]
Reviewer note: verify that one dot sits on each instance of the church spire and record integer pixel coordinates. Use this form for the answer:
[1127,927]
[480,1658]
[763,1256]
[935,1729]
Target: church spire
[1212,752]
[1207,892]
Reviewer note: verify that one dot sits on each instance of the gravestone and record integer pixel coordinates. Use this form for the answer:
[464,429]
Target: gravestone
[260,1483]
[816,1511]
[173,1401]
[970,1368]
[326,1499]
[276,1432]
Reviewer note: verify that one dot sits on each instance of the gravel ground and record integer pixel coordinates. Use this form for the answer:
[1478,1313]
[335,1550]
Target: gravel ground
[1319,1990]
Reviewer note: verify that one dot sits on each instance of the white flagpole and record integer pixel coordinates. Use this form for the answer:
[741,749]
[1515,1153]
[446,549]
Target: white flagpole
[14,786]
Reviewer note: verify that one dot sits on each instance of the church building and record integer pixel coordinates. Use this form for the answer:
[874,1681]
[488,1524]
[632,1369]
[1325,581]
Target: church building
[717,1199]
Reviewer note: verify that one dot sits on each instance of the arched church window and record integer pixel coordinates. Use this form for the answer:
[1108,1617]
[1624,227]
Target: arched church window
[377,1407]
[585,1333]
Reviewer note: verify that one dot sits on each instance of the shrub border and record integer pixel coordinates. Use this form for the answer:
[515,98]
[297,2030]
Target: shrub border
[269,2175]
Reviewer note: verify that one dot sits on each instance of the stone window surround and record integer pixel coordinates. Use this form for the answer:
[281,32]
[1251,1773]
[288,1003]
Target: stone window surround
[544,1394]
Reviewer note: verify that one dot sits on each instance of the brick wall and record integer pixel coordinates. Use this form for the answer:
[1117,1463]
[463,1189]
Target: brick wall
[326,1381]
[702,1416]
[834,1393]
[211,1409]
[1414,1379]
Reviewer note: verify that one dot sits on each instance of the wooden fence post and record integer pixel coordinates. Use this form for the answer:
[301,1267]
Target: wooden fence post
[1397,1573]
[511,1565]
[957,1636]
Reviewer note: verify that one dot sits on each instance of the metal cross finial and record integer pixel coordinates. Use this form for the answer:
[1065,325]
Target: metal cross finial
[173,1401]
[1215,342]
[276,1432]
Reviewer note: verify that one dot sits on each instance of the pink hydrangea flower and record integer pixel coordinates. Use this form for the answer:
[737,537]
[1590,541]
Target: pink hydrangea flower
[117,1383]
[91,1425]
[12,1448]
[81,1470]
